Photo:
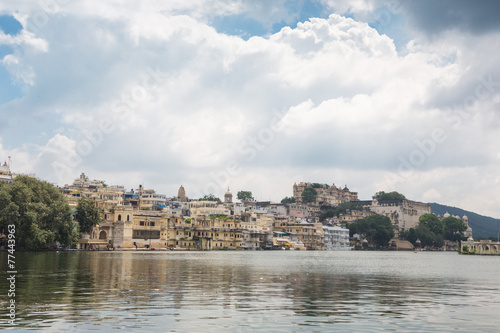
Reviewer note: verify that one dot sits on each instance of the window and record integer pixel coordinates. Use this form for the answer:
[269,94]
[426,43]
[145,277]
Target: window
[128,218]
[119,217]
[141,223]
[152,224]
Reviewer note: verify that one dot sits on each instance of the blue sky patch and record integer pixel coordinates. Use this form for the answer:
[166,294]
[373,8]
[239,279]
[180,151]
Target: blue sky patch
[8,91]
[9,25]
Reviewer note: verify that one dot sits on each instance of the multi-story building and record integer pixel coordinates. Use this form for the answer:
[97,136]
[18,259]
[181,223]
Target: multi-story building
[404,214]
[310,234]
[336,238]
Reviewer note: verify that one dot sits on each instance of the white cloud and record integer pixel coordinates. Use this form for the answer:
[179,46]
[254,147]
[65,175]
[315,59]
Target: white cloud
[184,101]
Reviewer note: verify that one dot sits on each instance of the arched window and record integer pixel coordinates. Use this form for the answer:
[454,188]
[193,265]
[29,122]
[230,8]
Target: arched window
[119,217]
[102,235]
[128,218]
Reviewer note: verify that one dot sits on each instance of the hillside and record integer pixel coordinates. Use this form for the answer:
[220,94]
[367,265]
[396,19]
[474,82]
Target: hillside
[482,226]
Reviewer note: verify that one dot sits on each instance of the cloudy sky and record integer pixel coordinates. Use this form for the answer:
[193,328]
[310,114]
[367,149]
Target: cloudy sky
[256,95]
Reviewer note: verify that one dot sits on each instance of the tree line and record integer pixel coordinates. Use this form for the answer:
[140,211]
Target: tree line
[41,214]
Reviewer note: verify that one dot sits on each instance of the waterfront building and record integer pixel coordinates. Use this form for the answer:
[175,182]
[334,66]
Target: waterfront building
[336,238]
[482,247]
[310,234]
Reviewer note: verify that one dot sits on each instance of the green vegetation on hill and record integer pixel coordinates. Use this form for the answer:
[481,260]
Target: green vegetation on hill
[383,196]
[482,226]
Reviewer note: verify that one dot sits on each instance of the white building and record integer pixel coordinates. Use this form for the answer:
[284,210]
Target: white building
[5,175]
[336,238]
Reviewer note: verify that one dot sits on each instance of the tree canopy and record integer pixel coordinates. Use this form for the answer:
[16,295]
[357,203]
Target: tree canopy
[209,197]
[87,214]
[432,222]
[421,233]
[430,232]
[309,195]
[377,229]
[40,213]
[288,200]
[383,196]
[453,228]
[245,195]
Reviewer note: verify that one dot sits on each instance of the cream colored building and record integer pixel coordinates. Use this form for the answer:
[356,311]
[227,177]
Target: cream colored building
[310,234]
[404,214]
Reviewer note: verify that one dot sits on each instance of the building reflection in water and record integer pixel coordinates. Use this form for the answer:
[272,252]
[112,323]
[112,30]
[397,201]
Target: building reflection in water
[242,289]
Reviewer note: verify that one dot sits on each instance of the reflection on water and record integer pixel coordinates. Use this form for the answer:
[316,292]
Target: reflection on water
[254,291]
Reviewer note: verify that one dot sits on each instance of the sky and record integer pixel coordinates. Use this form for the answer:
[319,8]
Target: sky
[256,95]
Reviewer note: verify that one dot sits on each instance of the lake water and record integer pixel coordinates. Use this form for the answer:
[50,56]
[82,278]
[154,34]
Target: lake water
[275,291]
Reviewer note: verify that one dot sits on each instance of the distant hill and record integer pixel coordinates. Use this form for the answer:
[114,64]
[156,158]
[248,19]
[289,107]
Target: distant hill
[482,226]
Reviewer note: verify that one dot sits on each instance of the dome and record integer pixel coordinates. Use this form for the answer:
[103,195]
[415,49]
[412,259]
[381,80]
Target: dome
[465,217]
[446,214]
[470,238]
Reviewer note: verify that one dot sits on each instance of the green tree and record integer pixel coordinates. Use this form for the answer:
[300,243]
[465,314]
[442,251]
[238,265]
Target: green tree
[432,222]
[288,200]
[309,195]
[209,197]
[245,195]
[377,229]
[316,185]
[453,228]
[329,213]
[87,214]
[40,213]
[421,233]
[383,196]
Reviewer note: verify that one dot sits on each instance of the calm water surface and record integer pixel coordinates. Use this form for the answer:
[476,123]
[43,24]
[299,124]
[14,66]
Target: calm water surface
[282,291]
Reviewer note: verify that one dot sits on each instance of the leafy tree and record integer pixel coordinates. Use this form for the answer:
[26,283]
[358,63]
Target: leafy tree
[431,222]
[87,214]
[453,228]
[309,195]
[40,213]
[245,195]
[209,197]
[316,185]
[383,196]
[288,200]
[426,237]
[329,213]
[377,229]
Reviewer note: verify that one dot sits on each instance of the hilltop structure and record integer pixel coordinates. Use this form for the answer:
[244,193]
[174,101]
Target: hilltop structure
[326,195]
